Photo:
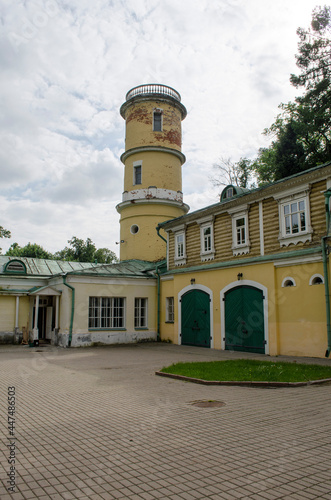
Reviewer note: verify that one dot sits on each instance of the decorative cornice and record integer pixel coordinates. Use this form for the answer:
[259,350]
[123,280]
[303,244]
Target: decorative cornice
[157,201]
[159,149]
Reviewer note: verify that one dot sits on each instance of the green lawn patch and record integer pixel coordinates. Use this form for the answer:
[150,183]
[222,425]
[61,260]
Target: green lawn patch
[250,370]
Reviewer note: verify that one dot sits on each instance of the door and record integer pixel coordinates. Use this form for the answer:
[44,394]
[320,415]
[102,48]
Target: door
[195,306]
[244,319]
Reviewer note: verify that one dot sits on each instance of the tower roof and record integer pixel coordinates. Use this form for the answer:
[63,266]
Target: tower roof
[153,91]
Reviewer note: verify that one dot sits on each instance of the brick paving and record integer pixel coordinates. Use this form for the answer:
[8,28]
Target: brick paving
[98,424]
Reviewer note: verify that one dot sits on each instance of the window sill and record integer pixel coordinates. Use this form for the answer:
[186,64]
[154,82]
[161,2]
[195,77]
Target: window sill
[140,328]
[293,239]
[180,262]
[107,329]
[207,256]
[170,322]
[241,250]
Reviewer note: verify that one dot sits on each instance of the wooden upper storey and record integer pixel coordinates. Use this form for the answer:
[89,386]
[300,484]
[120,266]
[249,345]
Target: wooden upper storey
[285,216]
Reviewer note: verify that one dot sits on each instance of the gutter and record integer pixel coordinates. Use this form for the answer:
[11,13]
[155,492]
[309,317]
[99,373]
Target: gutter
[325,249]
[159,288]
[72,307]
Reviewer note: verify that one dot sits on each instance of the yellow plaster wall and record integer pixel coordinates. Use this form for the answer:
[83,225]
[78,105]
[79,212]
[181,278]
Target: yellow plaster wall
[296,315]
[7,313]
[24,313]
[139,125]
[301,312]
[159,169]
[146,244]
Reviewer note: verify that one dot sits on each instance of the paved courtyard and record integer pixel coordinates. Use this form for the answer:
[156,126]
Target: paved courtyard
[96,423]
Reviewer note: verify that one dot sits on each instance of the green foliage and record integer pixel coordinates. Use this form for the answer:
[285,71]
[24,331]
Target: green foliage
[4,233]
[85,251]
[302,131]
[29,250]
[228,172]
[250,370]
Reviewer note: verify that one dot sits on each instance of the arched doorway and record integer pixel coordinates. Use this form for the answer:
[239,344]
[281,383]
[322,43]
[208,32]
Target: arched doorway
[195,318]
[244,319]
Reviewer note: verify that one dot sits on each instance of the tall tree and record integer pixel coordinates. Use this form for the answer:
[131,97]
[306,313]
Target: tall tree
[307,120]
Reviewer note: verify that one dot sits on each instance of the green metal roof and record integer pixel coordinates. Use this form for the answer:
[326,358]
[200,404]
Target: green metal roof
[44,267]
[133,268]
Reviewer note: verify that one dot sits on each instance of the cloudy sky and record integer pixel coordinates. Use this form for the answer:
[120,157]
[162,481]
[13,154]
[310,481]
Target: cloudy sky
[66,66]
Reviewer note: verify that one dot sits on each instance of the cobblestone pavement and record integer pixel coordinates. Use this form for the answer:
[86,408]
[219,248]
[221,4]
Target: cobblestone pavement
[96,423]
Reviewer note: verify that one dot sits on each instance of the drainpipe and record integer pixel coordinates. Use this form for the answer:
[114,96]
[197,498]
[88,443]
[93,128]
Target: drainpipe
[72,308]
[159,288]
[327,196]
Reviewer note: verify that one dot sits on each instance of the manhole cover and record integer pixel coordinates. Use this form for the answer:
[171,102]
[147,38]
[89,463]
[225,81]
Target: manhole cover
[205,403]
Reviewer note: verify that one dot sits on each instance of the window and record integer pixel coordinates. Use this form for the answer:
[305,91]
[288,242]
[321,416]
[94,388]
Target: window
[288,281]
[240,235]
[157,120]
[229,193]
[170,316]
[140,313]
[240,231]
[207,251]
[180,245]
[134,229]
[15,266]
[316,279]
[106,312]
[294,216]
[136,174]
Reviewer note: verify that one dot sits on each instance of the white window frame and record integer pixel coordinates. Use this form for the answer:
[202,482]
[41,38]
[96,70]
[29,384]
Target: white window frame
[140,313]
[100,321]
[136,165]
[287,198]
[206,223]
[170,309]
[159,112]
[237,214]
[180,257]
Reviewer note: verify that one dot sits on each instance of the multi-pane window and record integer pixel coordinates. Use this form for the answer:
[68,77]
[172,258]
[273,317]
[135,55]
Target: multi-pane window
[170,316]
[137,174]
[106,312]
[140,313]
[180,245]
[207,239]
[157,121]
[241,231]
[295,217]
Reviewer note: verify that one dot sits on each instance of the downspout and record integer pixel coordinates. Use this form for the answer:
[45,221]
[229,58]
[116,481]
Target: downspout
[327,196]
[72,308]
[159,289]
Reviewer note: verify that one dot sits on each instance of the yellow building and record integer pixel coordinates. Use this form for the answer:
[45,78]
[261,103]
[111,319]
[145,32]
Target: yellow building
[249,273]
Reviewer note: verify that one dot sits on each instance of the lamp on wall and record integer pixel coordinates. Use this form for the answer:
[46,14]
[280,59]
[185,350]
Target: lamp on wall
[193,281]
[239,276]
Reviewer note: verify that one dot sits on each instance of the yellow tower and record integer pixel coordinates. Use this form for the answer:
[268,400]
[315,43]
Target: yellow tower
[153,173]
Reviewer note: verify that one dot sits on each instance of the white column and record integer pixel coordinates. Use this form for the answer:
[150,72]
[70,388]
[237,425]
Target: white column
[36,313]
[57,304]
[17,310]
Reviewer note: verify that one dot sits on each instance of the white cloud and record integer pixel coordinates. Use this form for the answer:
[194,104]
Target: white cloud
[65,70]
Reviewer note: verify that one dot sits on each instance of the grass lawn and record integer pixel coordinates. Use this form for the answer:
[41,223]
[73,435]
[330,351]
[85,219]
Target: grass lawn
[250,370]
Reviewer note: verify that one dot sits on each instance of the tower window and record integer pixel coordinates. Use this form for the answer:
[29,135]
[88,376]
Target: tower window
[134,229]
[137,174]
[157,120]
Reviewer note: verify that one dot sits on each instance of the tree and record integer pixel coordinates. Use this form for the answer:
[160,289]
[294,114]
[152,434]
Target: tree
[302,131]
[4,233]
[237,174]
[85,251]
[30,250]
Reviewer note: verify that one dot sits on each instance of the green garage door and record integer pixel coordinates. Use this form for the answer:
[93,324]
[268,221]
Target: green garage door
[244,319]
[195,306]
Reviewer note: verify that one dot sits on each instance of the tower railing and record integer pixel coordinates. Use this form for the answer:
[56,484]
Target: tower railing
[153,88]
